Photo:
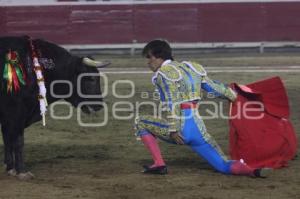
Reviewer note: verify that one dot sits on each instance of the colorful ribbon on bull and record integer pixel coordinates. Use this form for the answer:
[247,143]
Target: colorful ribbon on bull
[40,81]
[14,72]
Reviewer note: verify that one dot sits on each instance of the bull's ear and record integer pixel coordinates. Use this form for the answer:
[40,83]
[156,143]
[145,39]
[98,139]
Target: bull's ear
[93,63]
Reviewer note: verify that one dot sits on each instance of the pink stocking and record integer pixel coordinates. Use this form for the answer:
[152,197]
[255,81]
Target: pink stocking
[151,144]
[240,168]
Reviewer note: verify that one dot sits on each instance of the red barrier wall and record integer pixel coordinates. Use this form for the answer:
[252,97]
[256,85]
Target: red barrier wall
[175,22]
[101,24]
[232,22]
[117,24]
[2,21]
[51,22]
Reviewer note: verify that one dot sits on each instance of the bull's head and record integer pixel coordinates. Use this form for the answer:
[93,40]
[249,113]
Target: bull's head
[82,73]
[87,91]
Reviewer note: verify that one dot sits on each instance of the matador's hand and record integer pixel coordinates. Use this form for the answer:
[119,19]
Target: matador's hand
[177,137]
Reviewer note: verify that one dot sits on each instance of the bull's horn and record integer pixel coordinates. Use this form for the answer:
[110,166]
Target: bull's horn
[98,64]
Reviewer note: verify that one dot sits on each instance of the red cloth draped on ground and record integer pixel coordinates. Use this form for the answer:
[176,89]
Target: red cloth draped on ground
[260,130]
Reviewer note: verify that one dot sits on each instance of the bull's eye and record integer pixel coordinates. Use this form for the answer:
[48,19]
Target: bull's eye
[90,85]
[88,79]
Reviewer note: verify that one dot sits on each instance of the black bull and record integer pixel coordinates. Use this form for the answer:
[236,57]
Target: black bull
[19,109]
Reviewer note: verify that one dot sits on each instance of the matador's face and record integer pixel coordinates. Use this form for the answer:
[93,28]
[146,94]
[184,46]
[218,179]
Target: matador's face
[154,63]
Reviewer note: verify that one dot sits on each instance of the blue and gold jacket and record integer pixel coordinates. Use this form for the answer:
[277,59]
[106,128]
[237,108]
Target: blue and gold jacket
[183,82]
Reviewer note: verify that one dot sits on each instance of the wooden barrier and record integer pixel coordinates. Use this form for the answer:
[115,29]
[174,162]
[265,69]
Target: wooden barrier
[179,22]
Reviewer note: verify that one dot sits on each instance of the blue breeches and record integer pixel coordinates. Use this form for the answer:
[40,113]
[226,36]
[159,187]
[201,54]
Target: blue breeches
[201,142]
[195,136]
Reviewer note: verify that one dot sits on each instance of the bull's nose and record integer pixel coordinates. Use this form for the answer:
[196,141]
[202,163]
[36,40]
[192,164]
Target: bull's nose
[96,107]
[86,109]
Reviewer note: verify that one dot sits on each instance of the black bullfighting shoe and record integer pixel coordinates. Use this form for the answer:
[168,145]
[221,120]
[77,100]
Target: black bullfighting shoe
[162,170]
[263,172]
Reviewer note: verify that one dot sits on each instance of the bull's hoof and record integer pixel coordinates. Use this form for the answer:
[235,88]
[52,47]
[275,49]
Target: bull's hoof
[12,172]
[25,176]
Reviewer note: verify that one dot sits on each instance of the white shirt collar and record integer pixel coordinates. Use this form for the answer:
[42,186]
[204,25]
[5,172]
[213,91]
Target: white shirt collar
[166,62]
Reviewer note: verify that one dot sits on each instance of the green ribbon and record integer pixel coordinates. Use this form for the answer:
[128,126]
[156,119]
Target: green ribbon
[8,76]
[18,72]
[5,72]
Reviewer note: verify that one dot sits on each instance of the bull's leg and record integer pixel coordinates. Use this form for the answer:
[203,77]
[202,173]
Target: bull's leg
[8,150]
[18,146]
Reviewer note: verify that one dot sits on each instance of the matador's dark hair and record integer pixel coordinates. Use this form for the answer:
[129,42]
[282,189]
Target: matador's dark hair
[158,48]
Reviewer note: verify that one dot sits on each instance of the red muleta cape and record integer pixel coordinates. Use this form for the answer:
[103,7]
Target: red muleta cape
[263,137]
